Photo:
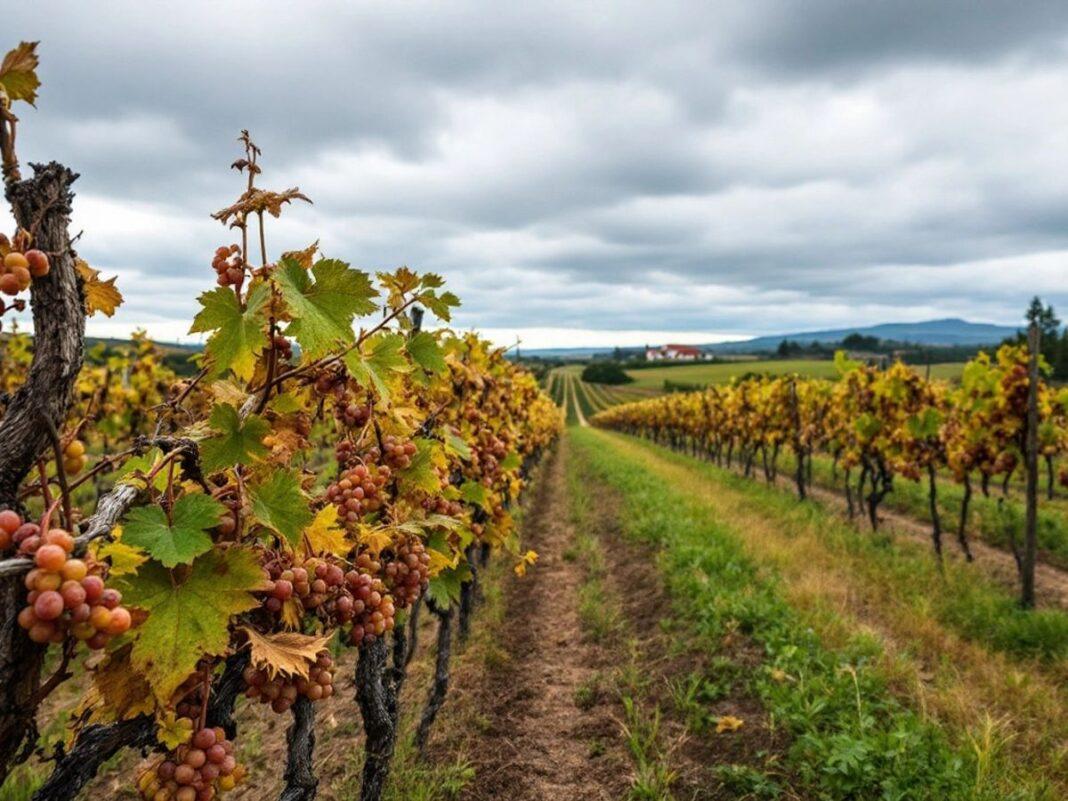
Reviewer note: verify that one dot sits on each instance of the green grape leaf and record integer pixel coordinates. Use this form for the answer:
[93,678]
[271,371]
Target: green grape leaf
[924,425]
[377,357]
[843,364]
[323,311]
[445,586]
[512,461]
[425,351]
[456,445]
[280,505]
[476,493]
[440,305]
[143,464]
[237,442]
[286,403]
[240,334]
[420,473]
[179,541]
[188,619]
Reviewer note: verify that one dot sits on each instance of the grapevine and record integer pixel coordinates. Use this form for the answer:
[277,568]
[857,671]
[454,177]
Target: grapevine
[333,463]
[877,424]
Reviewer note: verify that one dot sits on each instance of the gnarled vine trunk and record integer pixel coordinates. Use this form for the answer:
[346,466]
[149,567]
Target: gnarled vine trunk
[41,205]
[440,685]
[379,721]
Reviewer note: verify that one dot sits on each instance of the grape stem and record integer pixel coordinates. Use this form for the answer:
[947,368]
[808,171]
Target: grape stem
[61,472]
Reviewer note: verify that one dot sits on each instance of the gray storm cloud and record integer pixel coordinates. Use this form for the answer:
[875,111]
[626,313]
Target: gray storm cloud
[738,167]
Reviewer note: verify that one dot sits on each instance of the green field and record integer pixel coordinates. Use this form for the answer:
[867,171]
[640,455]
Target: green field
[720,373]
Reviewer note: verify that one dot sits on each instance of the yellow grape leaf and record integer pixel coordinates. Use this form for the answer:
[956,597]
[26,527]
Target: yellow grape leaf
[526,560]
[439,562]
[173,731]
[225,391]
[375,538]
[124,558]
[289,652]
[118,692]
[18,73]
[292,614]
[728,723]
[100,295]
[325,535]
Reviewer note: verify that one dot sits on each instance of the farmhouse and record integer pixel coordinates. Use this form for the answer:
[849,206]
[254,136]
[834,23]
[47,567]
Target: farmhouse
[675,353]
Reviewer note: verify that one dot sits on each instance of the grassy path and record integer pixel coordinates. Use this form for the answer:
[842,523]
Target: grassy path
[953,649]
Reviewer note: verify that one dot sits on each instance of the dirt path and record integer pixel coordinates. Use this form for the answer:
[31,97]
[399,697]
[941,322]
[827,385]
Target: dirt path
[538,745]
[575,399]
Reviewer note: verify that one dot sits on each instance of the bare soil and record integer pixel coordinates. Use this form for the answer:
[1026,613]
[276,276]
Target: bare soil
[536,742]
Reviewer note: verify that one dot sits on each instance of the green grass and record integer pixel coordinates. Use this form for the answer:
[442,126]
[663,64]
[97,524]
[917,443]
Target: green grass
[852,737]
[570,415]
[581,393]
[721,373]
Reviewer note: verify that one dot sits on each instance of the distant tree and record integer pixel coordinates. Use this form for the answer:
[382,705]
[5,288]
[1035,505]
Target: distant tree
[1054,340]
[857,341]
[788,349]
[605,373]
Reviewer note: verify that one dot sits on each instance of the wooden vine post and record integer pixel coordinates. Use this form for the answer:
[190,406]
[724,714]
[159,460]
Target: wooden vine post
[1027,565]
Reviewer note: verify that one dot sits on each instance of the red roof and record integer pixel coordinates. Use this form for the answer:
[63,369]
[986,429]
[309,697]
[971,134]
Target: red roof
[690,350]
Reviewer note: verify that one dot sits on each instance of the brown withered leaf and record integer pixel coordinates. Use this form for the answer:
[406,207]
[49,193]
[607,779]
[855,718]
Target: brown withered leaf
[305,258]
[118,691]
[257,201]
[18,73]
[288,652]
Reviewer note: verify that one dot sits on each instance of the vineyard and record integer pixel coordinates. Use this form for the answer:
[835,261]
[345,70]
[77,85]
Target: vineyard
[170,545]
[348,551]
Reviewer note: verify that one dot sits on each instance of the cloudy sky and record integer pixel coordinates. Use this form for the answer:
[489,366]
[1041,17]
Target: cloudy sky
[584,172]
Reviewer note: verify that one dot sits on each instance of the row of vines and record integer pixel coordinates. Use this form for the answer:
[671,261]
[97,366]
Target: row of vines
[335,465]
[877,425]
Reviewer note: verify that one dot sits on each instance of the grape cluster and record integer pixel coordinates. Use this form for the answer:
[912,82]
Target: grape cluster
[359,491]
[19,270]
[440,505]
[331,382]
[228,265]
[313,583]
[408,572]
[337,597]
[281,692]
[372,609]
[74,457]
[198,770]
[345,452]
[65,595]
[398,453]
[352,414]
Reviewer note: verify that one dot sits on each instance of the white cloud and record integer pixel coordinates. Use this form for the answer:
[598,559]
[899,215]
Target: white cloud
[579,170]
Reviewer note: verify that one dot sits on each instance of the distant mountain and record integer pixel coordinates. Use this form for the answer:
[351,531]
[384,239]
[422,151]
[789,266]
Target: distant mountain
[946,332]
[566,353]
